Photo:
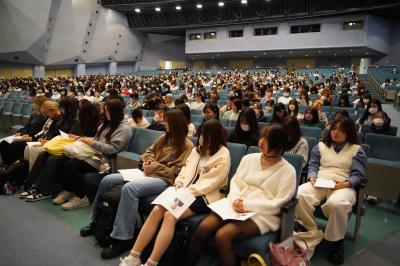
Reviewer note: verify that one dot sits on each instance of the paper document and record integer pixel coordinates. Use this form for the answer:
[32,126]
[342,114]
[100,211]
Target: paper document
[225,210]
[33,143]
[131,174]
[176,201]
[63,134]
[324,183]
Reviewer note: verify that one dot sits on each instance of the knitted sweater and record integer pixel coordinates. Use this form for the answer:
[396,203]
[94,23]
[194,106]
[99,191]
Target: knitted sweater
[263,191]
[213,174]
[165,163]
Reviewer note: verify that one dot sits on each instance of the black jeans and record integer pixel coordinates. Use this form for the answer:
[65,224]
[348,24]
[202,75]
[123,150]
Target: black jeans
[74,170]
[10,152]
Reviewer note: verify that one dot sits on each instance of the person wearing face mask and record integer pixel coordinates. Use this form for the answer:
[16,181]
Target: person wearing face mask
[233,114]
[279,113]
[344,100]
[158,120]
[293,109]
[380,125]
[269,108]
[364,101]
[246,129]
[285,99]
[373,107]
[267,97]
[205,172]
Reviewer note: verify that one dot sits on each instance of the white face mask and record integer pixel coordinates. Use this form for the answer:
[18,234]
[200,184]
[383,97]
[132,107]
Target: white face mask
[245,127]
[323,97]
[378,122]
[285,94]
[365,101]
[373,110]
[292,107]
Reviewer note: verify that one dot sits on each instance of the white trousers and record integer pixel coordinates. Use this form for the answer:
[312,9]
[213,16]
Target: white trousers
[336,208]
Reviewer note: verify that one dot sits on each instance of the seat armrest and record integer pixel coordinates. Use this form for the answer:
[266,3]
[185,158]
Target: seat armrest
[287,219]
[288,206]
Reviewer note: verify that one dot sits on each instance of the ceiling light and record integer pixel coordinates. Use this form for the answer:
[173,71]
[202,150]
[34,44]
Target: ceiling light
[255,56]
[244,2]
[265,53]
[280,55]
[351,50]
[197,55]
[290,52]
[334,54]
[319,51]
[199,6]
[366,53]
[212,57]
[217,54]
[178,7]
[221,4]
[268,0]
[157,9]
[306,54]
[137,10]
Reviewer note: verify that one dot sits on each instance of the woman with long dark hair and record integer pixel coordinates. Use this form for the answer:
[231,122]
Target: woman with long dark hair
[209,164]
[161,163]
[246,129]
[112,137]
[296,143]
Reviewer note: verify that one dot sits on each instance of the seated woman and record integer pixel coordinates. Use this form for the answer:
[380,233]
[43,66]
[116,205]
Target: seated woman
[205,172]
[137,119]
[210,111]
[246,129]
[158,119]
[373,107]
[259,113]
[161,163]
[323,118]
[293,109]
[112,137]
[296,143]
[198,104]
[311,118]
[263,183]
[11,152]
[380,125]
[43,179]
[338,115]
[233,114]
[279,114]
[285,98]
[338,158]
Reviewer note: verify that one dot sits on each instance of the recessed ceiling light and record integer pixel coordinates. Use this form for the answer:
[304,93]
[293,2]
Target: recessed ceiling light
[334,54]
[319,51]
[199,6]
[290,52]
[178,7]
[137,10]
[351,50]
[157,9]
[212,57]
[221,4]
[255,56]
[243,2]
[306,55]
[280,55]
[197,55]
[366,53]
[265,53]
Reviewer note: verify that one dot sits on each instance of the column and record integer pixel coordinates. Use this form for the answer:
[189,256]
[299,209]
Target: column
[112,68]
[39,72]
[80,70]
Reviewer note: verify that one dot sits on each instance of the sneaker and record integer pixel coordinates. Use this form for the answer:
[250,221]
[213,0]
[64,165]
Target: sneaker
[87,230]
[27,193]
[37,196]
[130,261]
[63,197]
[372,199]
[75,203]
[117,248]
[336,254]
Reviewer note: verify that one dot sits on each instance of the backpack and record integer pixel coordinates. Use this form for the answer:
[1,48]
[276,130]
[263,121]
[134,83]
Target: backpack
[106,211]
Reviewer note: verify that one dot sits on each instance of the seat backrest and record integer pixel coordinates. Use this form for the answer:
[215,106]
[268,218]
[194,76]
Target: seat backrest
[350,110]
[230,130]
[196,118]
[393,131]
[224,122]
[383,147]
[16,109]
[143,139]
[232,123]
[237,151]
[26,109]
[196,112]
[311,143]
[261,125]
[314,132]
[8,106]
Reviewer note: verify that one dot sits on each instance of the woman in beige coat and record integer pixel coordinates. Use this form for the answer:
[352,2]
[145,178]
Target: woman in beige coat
[205,172]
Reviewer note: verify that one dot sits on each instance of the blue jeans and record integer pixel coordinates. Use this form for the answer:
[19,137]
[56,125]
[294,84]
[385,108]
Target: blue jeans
[125,220]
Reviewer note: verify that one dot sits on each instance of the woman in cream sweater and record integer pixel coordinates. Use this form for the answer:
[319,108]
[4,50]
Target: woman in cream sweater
[205,172]
[263,183]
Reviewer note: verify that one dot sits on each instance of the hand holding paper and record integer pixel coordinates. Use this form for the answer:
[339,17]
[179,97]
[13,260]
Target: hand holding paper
[131,174]
[324,183]
[225,210]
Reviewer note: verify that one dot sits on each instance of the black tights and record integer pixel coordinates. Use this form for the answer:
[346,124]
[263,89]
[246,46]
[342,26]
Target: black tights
[225,234]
